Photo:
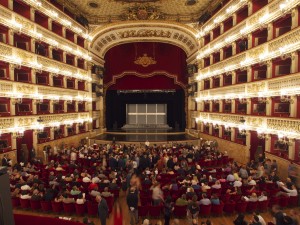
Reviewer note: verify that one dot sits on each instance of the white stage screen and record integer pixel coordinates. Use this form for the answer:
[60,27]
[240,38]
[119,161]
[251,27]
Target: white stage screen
[146,114]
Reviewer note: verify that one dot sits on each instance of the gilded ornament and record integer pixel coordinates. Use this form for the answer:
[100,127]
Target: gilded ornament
[145,61]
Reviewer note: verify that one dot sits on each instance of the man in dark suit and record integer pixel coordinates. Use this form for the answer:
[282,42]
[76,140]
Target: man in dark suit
[102,209]
[5,161]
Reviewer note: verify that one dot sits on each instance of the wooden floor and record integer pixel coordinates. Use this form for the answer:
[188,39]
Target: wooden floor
[223,220]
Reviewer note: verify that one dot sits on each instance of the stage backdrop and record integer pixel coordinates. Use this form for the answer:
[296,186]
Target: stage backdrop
[124,70]
[116,107]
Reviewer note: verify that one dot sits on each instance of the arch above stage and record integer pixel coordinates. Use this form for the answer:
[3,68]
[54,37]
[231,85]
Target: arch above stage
[106,37]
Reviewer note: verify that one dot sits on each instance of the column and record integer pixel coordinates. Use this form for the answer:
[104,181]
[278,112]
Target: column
[64,32]
[233,106]
[50,53]
[211,82]
[221,80]
[10,37]
[211,59]
[77,128]
[250,8]
[269,69]
[249,37]
[293,106]
[221,28]
[11,71]
[292,148]
[65,81]
[75,38]
[12,108]
[249,105]
[51,106]
[268,143]
[210,126]
[295,15]
[233,48]
[233,130]
[201,86]
[221,106]
[294,66]
[76,106]
[34,108]
[49,24]
[65,106]
[221,128]
[233,77]
[66,131]
[249,74]
[234,19]
[33,76]
[35,138]
[86,124]
[13,141]
[64,57]
[269,106]
[32,45]
[32,14]
[76,84]
[202,127]
[11,4]
[51,79]
[270,31]
[248,143]
[76,61]
[221,54]
[52,133]
[210,105]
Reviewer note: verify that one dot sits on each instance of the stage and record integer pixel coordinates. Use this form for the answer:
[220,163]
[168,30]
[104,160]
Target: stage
[142,135]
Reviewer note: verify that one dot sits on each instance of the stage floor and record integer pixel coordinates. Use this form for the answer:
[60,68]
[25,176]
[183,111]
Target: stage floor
[144,136]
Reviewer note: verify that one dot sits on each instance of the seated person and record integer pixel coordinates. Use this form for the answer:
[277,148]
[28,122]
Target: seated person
[106,193]
[181,200]
[67,199]
[204,200]
[75,191]
[263,196]
[80,199]
[252,198]
[215,200]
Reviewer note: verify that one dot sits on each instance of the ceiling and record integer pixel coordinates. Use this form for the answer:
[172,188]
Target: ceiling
[106,11]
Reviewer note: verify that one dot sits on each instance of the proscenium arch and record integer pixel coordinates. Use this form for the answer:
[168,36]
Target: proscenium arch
[106,37]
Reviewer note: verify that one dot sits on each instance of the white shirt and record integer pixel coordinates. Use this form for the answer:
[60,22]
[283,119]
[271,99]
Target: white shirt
[86,180]
[80,201]
[95,180]
[262,198]
[25,187]
[261,220]
[252,182]
[237,183]
[290,192]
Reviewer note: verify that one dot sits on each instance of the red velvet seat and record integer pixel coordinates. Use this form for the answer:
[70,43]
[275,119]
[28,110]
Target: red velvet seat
[57,207]
[180,210]
[25,203]
[80,209]
[15,202]
[283,201]
[205,210]
[273,201]
[143,211]
[145,200]
[241,207]
[92,208]
[251,206]
[35,205]
[293,201]
[217,210]
[262,206]
[154,211]
[69,208]
[229,207]
[110,202]
[46,206]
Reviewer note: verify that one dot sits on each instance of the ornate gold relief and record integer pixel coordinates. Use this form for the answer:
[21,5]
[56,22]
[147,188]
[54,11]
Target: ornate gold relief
[142,12]
[144,33]
[6,123]
[145,61]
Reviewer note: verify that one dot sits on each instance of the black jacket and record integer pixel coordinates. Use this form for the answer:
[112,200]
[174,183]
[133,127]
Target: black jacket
[132,199]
